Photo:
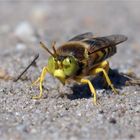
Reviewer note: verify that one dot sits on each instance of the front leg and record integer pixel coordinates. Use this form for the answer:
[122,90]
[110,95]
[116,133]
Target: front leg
[40,80]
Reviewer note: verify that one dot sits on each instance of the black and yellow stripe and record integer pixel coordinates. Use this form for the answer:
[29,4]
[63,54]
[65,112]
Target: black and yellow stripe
[104,54]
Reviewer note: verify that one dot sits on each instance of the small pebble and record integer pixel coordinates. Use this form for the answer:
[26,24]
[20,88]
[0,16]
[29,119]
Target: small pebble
[20,46]
[25,32]
[101,111]
[131,136]
[112,120]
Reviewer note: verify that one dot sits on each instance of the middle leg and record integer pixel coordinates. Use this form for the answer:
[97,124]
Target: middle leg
[82,80]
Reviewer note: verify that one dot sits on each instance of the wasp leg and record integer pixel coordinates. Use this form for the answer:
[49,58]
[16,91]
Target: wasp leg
[92,89]
[36,81]
[105,66]
[40,80]
[98,70]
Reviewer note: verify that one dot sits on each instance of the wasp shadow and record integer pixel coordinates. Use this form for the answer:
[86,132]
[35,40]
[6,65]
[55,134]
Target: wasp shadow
[83,91]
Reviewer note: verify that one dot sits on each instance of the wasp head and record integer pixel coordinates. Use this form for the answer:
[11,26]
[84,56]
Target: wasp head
[62,67]
[59,66]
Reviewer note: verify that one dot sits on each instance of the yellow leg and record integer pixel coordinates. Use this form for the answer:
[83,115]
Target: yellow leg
[105,66]
[37,81]
[92,89]
[40,80]
[98,70]
[102,67]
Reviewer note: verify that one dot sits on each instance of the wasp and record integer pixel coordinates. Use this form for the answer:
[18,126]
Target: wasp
[83,55]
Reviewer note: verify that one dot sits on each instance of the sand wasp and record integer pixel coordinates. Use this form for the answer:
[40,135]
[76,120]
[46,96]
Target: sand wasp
[81,56]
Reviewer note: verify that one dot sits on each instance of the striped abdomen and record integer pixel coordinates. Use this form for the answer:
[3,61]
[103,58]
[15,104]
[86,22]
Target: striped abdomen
[101,55]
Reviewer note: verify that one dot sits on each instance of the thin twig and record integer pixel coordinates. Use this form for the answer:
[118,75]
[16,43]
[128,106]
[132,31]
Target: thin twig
[36,57]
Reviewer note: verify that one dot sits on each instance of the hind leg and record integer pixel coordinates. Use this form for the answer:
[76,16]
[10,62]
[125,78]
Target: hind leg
[99,70]
[105,66]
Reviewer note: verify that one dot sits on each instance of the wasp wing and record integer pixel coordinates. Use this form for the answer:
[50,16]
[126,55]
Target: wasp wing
[101,48]
[101,43]
[82,36]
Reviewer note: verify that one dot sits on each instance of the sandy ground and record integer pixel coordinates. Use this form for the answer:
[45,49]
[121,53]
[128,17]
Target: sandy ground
[67,112]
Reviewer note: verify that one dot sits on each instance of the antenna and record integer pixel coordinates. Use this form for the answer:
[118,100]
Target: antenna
[44,47]
[53,47]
